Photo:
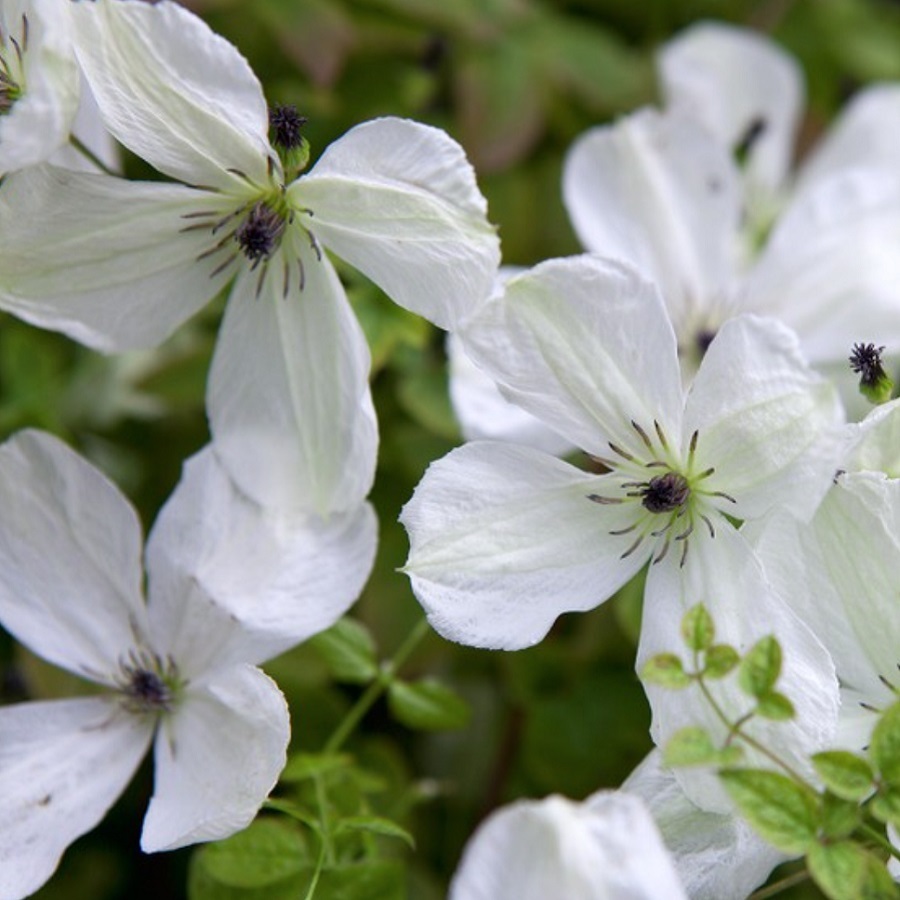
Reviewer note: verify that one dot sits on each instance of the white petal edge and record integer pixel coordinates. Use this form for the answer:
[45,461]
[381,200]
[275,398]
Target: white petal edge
[217,757]
[63,763]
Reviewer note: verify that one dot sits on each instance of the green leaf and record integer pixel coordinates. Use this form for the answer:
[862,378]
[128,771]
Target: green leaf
[761,667]
[375,825]
[202,886]
[839,817]
[845,871]
[427,705]
[885,806]
[690,746]
[301,766]
[697,628]
[268,851]
[783,812]
[884,748]
[720,660]
[367,880]
[844,773]
[666,670]
[774,705]
[348,649]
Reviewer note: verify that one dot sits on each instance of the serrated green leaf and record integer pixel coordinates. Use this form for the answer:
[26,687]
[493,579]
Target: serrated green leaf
[720,660]
[774,705]
[839,817]
[268,851]
[783,812]
[427,705]
[666,670]
[348,649]
[375,825]
[884,748]
[697,628]
[885,806]
[844,870]
[760,668]
[690,746]
[844,773]
[301,766]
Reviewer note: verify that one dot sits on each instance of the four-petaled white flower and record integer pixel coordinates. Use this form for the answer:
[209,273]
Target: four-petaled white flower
[604,848]
[504,538]
[229,586]
[130,261]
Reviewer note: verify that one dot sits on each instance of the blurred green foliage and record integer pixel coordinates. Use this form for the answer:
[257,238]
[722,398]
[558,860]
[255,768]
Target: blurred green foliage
[515,81]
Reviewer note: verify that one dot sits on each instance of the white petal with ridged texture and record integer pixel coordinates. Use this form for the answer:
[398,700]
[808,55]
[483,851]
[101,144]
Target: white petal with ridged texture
[39,121]
[217,756]
[63,764]
[260,580]
[769,426]
[584,345]
[173,91]
[743,87]
[606,848]
[659,193]
[288,395]
[398,200]
[102,259]
[503,539]
[744,607]
[717,857]
[70,557]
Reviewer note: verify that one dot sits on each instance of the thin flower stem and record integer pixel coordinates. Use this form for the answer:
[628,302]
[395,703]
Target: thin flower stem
[320,864]
[327,849]
[781,885]
[880,840]
[90,155]
[375,689]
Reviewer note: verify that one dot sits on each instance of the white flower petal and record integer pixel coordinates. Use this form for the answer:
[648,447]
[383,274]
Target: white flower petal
[89,129]
[485,414]
[398,200]
[768,424]
[876,442]
[173,91]
[830,266]
[744,607]
[70,557]
[259,580]
[63,763]
[288,397]
[584,344]
[717,857]
[101,259]
[217,757]
[503,539]
[606,847]
[733,78]
[659,193]
[40,119]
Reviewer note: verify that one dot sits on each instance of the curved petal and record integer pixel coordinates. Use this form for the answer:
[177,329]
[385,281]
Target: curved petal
[864,134]
[503,539]
[717,857]
[768,425]
[277,577]
[745,607]
[830,267]
[584,345]
[398,200]
[288,396]
[40,119]
[102,259]
[216,759]
[742,86]
[63,764]
[70,557]
[605,847]
[659,193]
[485,414]
[875,442]
[88,127]
[173,91]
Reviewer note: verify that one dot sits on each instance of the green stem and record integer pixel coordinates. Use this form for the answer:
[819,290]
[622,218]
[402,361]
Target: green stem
[880,840]
[86,152]
[781,885]
[367,699]
[320,864]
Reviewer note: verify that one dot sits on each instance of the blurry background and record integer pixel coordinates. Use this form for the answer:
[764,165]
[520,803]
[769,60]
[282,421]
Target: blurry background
[515,81]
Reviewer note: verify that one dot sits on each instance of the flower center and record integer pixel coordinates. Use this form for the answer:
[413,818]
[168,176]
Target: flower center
[286,124]
[12,66]
[259,234]
[665,493]
[865,360]
[148,683]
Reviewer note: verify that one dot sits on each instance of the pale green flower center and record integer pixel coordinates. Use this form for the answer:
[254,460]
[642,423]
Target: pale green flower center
[12,66]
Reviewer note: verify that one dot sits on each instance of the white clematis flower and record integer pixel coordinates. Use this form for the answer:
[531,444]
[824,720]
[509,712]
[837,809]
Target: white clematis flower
[604,848]
[179,670]
[504,539]
[38,81]
[131,261]
[661,193]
